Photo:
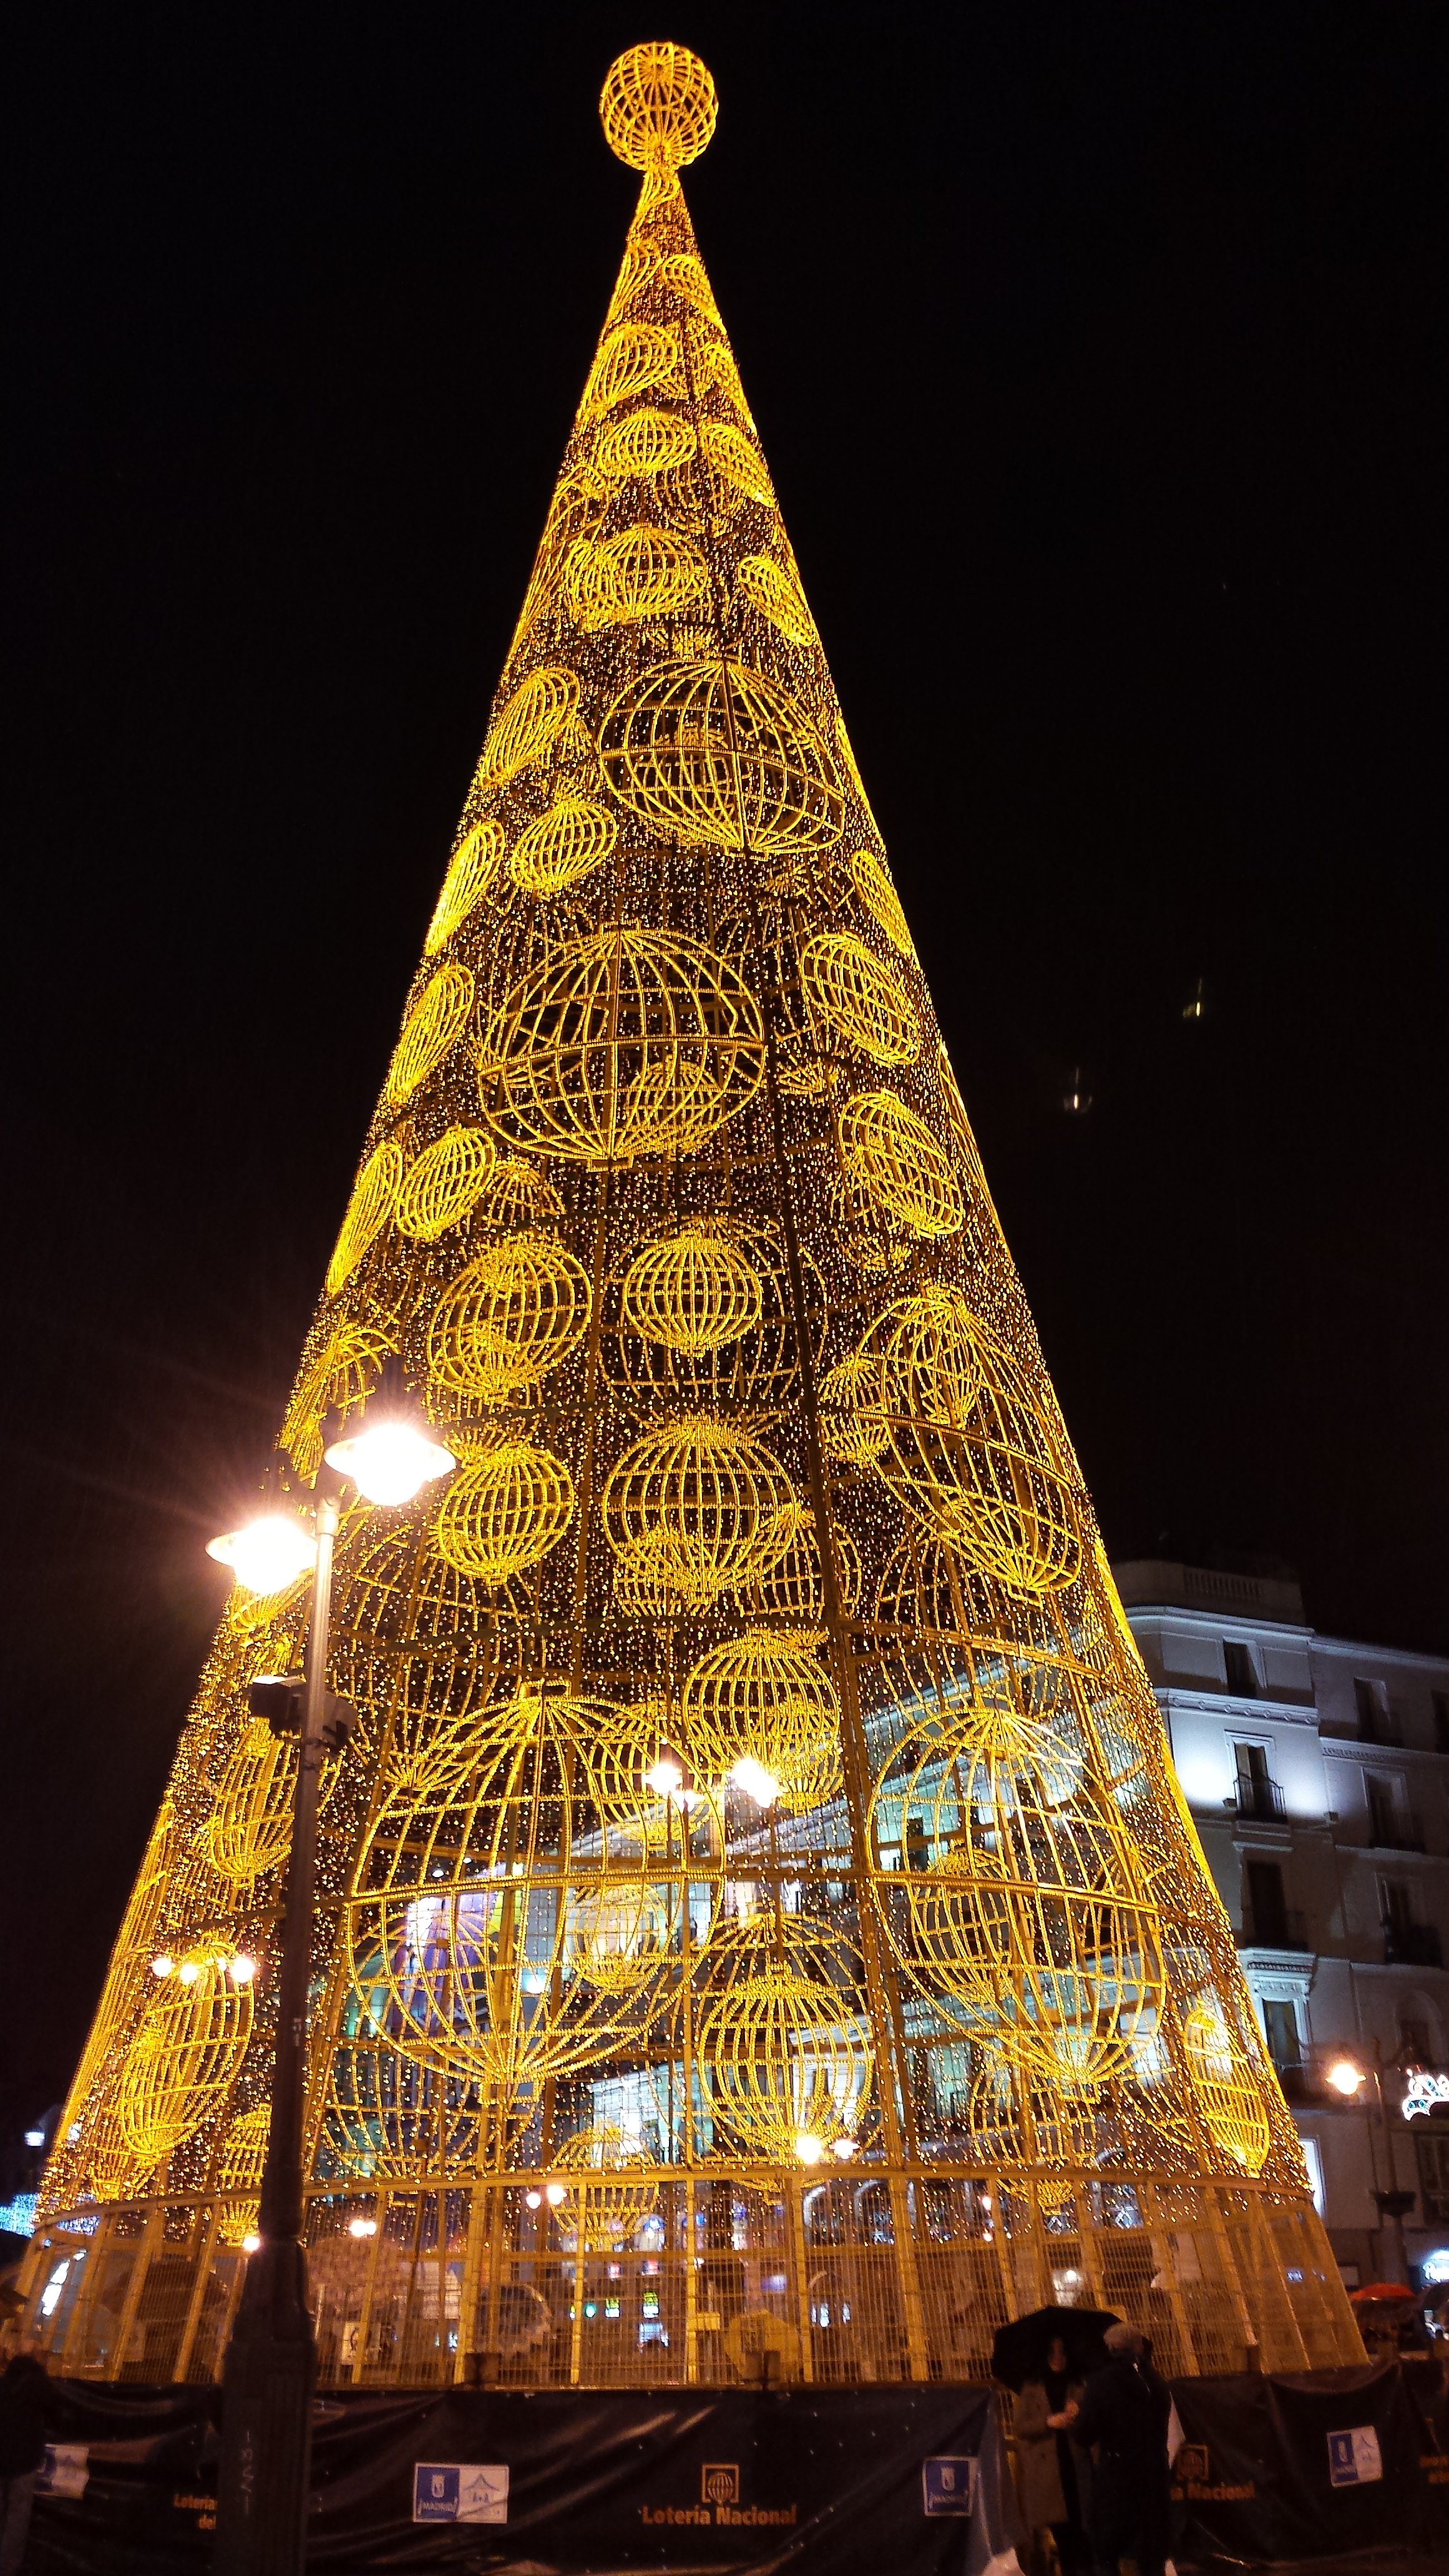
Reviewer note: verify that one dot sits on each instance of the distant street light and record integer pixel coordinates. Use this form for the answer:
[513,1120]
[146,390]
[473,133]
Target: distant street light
[271,2359]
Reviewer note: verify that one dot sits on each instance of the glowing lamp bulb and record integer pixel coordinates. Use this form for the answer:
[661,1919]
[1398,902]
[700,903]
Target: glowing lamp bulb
[666,1778]
[35,2137]
[250,2244]
[188,1972]
[1345,2077]
[362,2227]
[391,1461]
[162,1964]
[533,2200]
[268,1554]
[844,2148]
[242,1971]
[555,2193]
[808,2149]
[755,1780]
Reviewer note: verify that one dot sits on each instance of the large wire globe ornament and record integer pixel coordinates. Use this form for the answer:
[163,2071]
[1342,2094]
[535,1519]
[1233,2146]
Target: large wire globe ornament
[658,107]
[767,1696]
[182,2062]
[782,2059]
[1227,2088]
[721,756]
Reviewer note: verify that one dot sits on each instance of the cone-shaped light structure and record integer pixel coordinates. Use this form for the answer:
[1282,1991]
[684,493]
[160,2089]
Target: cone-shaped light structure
[757,1886]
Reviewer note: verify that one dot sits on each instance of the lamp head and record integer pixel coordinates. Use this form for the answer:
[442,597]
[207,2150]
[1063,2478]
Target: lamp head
[392,1454]
[1345,2077]
[268,1554]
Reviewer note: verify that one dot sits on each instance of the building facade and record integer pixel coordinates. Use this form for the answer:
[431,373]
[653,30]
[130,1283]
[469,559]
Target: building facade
[1317,1772]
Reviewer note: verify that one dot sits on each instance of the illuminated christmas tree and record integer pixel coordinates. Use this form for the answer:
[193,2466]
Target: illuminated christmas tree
[759,1917]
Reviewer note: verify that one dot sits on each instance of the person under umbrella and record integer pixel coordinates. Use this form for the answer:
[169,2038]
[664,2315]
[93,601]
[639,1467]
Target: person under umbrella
[1045,2357]
[1123,2416]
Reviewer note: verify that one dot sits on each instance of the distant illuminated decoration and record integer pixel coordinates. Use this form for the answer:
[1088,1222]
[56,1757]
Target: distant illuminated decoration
[1424,2094]
[755,1887]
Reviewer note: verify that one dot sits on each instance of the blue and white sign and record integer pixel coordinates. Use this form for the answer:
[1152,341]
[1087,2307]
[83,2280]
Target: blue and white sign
[949,2486]
[65,2470]
[1354,2459]
[456,2491]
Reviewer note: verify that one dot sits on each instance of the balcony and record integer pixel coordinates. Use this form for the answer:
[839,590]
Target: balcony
[1261,1799]
[1412,1945]
[1382,1837]
[1273,1927]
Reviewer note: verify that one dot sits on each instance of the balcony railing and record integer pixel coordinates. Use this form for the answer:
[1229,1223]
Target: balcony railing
[1412,1945]
[1273,1927]
[1262,1799]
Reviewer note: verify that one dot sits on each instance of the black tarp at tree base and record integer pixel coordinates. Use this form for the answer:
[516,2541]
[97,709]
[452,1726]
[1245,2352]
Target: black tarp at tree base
[827,2482]
[1292,2470]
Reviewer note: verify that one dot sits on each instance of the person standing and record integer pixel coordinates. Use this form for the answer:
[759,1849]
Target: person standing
[1123,2416]
[1052,2473]
[23,2386]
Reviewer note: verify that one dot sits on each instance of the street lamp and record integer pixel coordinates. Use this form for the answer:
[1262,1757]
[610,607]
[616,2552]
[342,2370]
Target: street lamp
[271,2358]
[1392,2205]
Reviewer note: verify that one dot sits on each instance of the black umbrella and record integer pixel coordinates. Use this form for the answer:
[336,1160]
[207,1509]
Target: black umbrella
[1020,2349]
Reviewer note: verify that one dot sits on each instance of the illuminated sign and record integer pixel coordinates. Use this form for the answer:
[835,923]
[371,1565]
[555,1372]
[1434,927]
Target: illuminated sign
[1424,2094]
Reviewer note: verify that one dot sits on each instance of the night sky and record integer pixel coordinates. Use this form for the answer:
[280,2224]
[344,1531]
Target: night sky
[1098,354]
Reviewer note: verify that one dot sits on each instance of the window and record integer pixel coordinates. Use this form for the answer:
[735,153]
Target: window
[1241,1670]
[1433,2155]
[1280,2023]
[1383,1808]
[1440,1701]
[1415,2046]
[1370,1699]
[1313,2158]
[1258,1791]
[1267,1913]
[1252,1761]
[1395,1905]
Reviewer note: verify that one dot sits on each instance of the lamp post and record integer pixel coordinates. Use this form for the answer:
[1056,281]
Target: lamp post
[271,2358]
[1392,2205]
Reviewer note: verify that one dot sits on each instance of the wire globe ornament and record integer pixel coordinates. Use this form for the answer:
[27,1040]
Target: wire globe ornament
[563,847]
[529,725]
[782,2060]
[373,1195]
[471,873]
[642,572]
[431,1031]
[895,1157]
[630,1042]
[389,2119]
[1015,1902]
[969,1448]
[857,1001]
[249,1829]
[706,1317]
[695,1510]
[612,2189]
[445,1183]
[1032,2127]
[871,879]
[419,1649]
[642,445]
[773,590]
[511,1317]
[239,2168]
[465,1962]
[658,107]
[637,357]
[721,756]
[507,1506]
[182,2062]
[336,1378]
[767,1696]
[1228,2091]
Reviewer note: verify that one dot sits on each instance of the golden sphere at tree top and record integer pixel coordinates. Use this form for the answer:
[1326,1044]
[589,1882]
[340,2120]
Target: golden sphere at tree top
[757,1879]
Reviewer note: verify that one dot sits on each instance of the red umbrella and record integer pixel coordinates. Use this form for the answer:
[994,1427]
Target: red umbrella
[1380,2294]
